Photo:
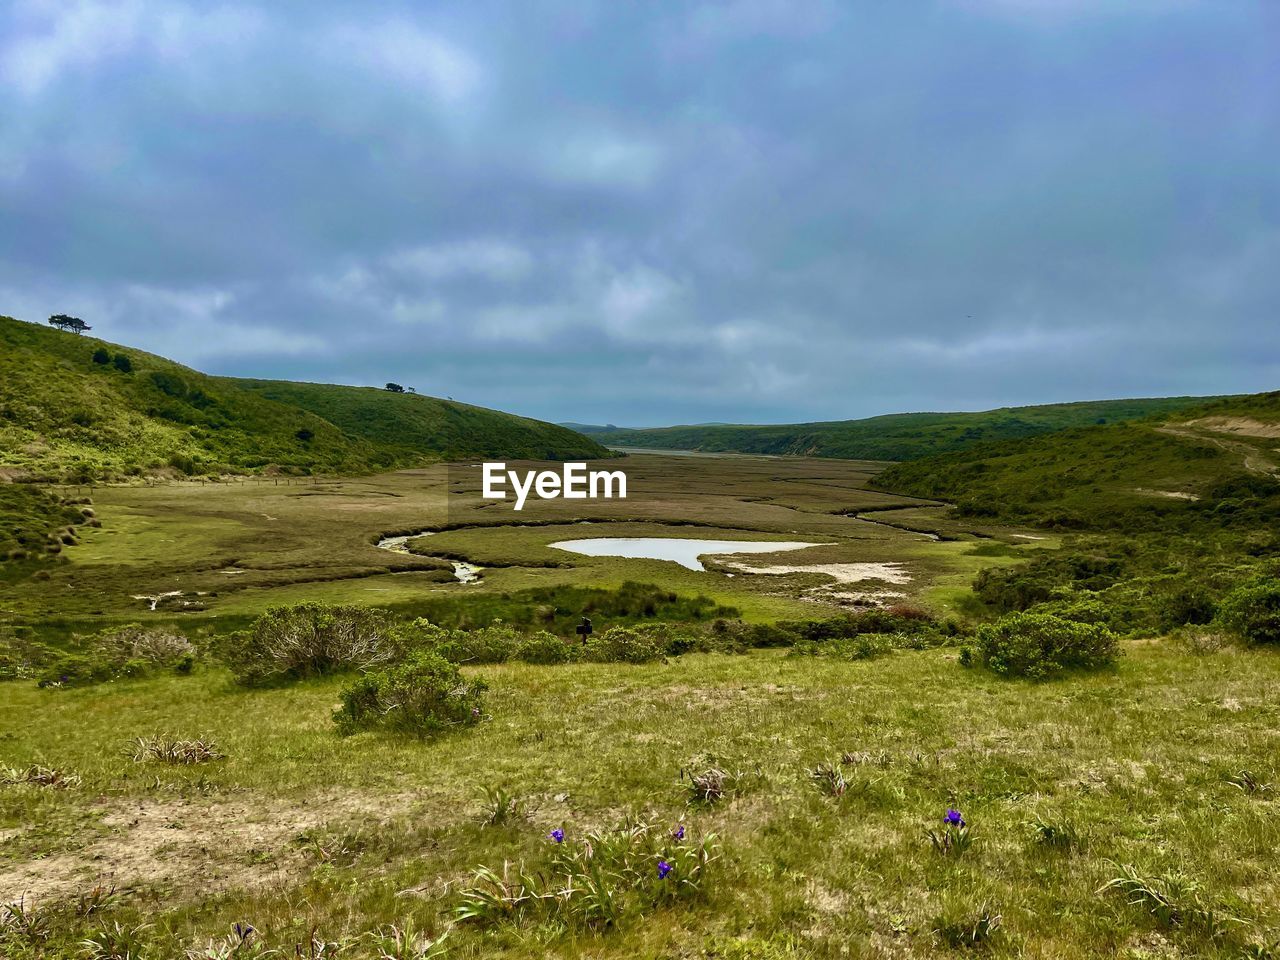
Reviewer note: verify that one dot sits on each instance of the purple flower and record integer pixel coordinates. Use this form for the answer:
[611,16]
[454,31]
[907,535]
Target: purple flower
[663,869]
[953,818]
[678,832]
[557,835]
[243,930]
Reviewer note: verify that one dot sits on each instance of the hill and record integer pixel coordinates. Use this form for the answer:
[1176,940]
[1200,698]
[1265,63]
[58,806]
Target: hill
[899,436]
[1133,475]
[79,408]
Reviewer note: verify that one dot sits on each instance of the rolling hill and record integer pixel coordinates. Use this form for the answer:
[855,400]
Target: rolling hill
[78,408]
[1214,462]
[899,436]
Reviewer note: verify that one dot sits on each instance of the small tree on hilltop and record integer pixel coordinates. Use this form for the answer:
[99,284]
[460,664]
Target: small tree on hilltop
[64,322]
[395,388]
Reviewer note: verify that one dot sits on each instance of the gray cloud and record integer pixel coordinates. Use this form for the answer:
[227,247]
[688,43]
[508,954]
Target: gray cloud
[747,210]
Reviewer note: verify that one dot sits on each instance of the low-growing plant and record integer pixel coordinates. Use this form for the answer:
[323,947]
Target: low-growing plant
[1172,899]
[1040,645]
[170,750]
[595,880]
[242,943]
[423,696]
[1059,833]
[829,779]
[404,941]
[40,776]
[310,639]
[1246,782]
[965,930]
[499,807]
[954,838]
[707,781]
[865,646]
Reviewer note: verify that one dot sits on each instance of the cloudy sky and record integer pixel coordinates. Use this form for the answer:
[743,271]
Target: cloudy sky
[648,213]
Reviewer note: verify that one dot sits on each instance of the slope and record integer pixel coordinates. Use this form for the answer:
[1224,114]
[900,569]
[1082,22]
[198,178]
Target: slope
[79,408]
[901,436]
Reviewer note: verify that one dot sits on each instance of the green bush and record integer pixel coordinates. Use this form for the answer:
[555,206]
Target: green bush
[625,645]
[1253,611]
[866,646]
[129,651]
[423,696]
[1039,645]
[287,643]
[544,647]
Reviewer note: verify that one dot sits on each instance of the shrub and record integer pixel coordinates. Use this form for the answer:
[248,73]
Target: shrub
[1039,645]
[1253,611]
[544,647]
[129,651]
[866,646]
[626,645]
[423,696]
[496,643]
[310,639]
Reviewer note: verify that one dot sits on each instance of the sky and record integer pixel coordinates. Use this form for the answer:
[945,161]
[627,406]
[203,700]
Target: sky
[654,213]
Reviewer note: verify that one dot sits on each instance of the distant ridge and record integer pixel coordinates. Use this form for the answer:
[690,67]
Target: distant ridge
[79,408]
[897,436]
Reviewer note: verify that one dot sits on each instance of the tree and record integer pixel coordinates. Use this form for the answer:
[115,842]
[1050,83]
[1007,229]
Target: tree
[64,322]
[305,435]
[123,363]
[395,388]
[100,356]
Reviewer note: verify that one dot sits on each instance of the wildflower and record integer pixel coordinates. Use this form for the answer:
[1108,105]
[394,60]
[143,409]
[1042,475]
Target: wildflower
[663,869]
[678,832]
[557,835]
[953,818]
[243,930]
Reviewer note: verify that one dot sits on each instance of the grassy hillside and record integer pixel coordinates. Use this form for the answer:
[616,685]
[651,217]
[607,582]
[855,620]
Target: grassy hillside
[407,425]
[1207,462]
[1170,516]
[80,408]
[899,436]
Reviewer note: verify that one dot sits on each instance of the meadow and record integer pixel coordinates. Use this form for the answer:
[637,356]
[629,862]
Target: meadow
[795,795]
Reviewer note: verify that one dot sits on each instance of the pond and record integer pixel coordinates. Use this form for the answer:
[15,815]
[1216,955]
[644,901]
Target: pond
[682,551]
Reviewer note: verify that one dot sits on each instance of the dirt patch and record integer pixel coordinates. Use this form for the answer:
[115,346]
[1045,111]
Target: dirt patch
[197,844]
[840,572]
[1240,426]
[1168,494]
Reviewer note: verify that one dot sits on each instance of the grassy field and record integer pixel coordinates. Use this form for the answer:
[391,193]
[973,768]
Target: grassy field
[1156,774]
[898,436]
[310,836]
[79,408]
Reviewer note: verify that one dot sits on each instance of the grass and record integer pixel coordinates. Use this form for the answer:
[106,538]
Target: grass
[898,436]
[66,416]
[1139,759]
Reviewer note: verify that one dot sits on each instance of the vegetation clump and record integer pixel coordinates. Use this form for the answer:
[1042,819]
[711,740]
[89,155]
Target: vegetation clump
[595,882]
[1253,611]
[132,650]
[423,696]
[312,639]
[170,750]
[1040,645]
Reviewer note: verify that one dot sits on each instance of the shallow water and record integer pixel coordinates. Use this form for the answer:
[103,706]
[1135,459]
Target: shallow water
[682,551]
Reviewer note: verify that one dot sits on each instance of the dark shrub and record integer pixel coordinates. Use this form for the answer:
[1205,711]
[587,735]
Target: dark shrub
[122,363]
[287,643]
[423,696]
[1039,645]
[101,357]
[1253,611]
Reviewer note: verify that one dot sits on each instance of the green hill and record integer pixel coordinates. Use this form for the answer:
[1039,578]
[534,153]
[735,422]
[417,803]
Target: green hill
[75,407]
[899,436]
[1206,462]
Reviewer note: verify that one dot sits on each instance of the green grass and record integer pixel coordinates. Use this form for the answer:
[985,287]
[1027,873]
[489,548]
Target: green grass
[66,416]
[304,833]
[899,436]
